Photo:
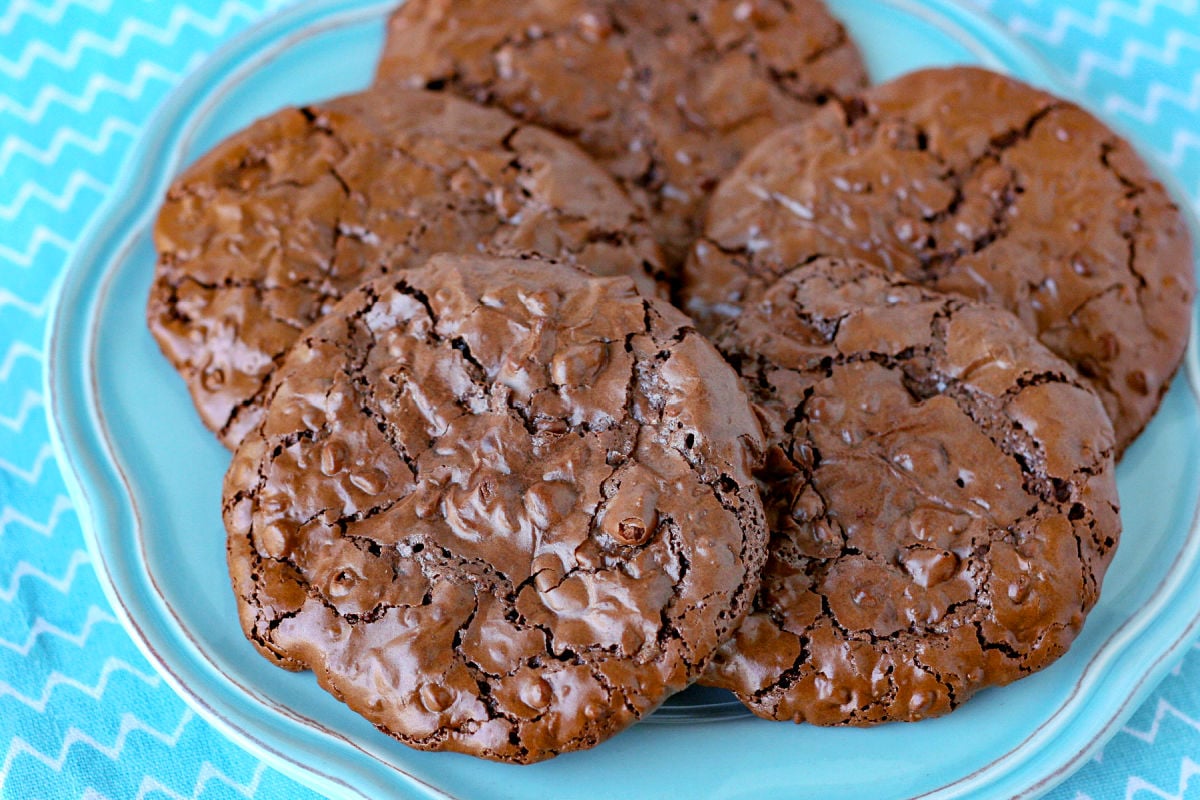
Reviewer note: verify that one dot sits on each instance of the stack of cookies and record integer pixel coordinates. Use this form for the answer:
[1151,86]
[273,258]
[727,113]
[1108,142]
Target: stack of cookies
[608,346]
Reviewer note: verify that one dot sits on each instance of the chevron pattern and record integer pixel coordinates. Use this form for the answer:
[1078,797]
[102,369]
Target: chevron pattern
[1135,60]
[82,715]
[1138,62]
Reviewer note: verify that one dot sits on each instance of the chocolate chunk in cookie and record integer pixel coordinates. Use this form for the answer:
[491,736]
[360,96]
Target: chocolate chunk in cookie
[940,493]
[262,235]
[972,182]
[666,95]
[499,507]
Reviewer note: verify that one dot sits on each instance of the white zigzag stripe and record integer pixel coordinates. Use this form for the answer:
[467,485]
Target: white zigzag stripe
[95,616]
[208,772]
[36,310]
[32,474]
[41,236]
[17,351]
[1131,52]
[96,85]
[63,137]
[1161,712]
[1181,142]
[50,16]
[62,585]
[1136,784]
[57,679]
[1177,39]
[9,515]
[1159,93]
[29,401]
[60,202]
[129,724]
[132,28]
[1099,22]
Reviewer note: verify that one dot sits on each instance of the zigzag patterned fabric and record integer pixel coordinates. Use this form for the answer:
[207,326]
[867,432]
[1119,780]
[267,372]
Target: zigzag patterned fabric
[82,714]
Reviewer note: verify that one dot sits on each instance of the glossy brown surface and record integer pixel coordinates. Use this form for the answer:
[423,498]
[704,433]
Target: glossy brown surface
[666,95]
[973,183]
[499,507]
[940,492]
[262,235]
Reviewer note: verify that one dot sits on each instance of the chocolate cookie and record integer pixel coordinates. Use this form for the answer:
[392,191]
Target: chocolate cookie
[974,183]
[265,233]
[499,507]
[940,493]
[666,95]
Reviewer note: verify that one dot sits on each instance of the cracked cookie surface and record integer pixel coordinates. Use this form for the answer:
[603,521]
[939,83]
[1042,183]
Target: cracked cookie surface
[262,235]
[940,493]
[500,507]
[666,95]
[974,183]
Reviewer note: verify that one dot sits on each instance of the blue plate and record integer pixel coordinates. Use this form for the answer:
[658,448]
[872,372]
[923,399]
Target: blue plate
[146,478]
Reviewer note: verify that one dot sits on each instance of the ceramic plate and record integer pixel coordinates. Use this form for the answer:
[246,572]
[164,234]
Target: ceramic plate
[146,478]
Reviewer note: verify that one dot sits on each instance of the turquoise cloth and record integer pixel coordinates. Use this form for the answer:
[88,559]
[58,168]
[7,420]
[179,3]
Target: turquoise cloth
[82,714]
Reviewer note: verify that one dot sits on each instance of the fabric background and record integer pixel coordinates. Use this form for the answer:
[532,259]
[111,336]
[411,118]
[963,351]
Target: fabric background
[82,714]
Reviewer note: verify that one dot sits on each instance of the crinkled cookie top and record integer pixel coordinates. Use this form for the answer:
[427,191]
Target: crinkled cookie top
[667,95]
[940,493]
[499,507]
[264,234]
[972,182]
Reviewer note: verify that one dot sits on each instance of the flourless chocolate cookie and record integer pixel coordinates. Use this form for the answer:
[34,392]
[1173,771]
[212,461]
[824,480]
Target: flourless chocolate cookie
[974,183]
[266,232]
[940,493]
[499,507]
[666,95]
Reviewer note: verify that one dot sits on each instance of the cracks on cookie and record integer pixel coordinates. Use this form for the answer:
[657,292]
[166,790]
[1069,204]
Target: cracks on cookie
[668,657]
[375,249]
[924,377]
